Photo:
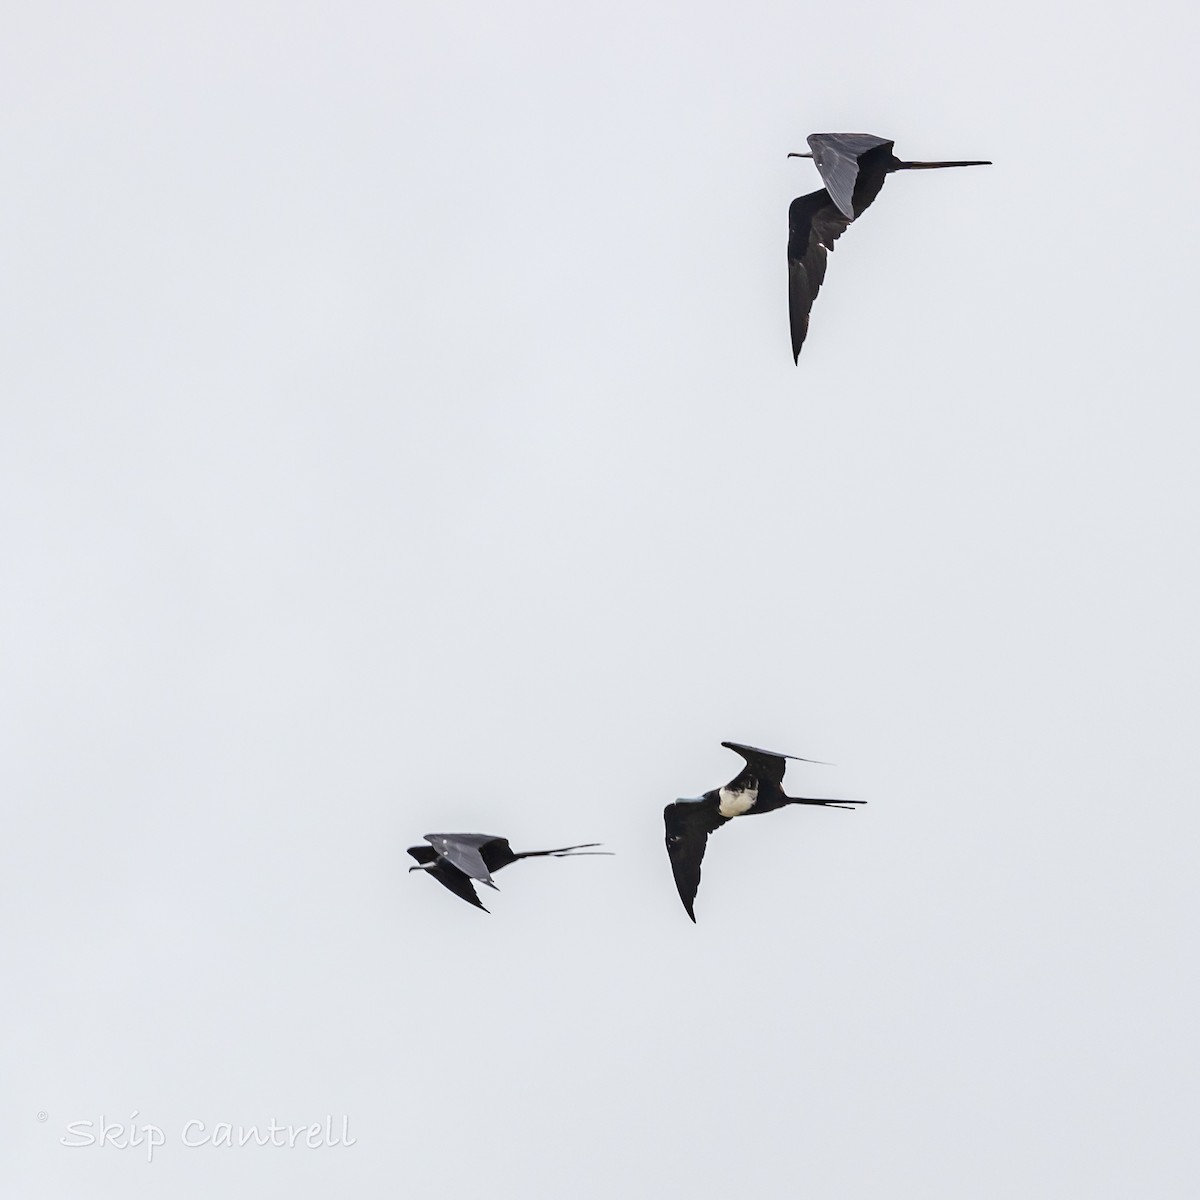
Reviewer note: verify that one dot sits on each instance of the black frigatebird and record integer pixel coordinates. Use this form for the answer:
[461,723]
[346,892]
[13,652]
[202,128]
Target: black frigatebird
[757,788]
[454,859]
[853,167]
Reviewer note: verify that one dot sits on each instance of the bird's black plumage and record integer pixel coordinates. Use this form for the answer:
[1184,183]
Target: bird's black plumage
[688,825]
[814,224]
[853,167]
[455,859]
[757,787]
[448,876]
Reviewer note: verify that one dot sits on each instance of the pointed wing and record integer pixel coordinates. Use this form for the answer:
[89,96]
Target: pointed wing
[463,850]
[458,883]
[448,876]
[688,825]
[836,156]
[814,224]
[762,765]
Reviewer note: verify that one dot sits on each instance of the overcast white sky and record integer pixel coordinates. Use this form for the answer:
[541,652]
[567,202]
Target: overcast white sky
[400,434]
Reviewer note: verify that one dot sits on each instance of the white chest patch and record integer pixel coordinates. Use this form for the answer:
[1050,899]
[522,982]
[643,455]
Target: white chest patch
[734,804]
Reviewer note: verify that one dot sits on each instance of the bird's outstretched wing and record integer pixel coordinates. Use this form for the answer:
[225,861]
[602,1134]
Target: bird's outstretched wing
[763,765]
[463,850]
[814,224]
[448,876]
[837,156]
[688,825]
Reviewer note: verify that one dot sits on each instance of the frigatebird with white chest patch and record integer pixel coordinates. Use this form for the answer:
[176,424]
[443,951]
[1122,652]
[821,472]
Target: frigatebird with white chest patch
[757,788]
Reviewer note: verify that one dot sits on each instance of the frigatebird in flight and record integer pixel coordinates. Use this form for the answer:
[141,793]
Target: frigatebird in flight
[757,788]
[455,859]
[853,167]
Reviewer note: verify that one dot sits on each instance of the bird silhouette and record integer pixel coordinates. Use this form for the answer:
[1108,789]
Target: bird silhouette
[757,788]
[455,859]
[853,167]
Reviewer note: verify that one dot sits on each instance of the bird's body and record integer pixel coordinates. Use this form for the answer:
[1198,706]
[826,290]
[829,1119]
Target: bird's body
[455,859]
[853,167]
[757,788]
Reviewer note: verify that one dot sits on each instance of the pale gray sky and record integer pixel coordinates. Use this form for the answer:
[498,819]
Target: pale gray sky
[401,434]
